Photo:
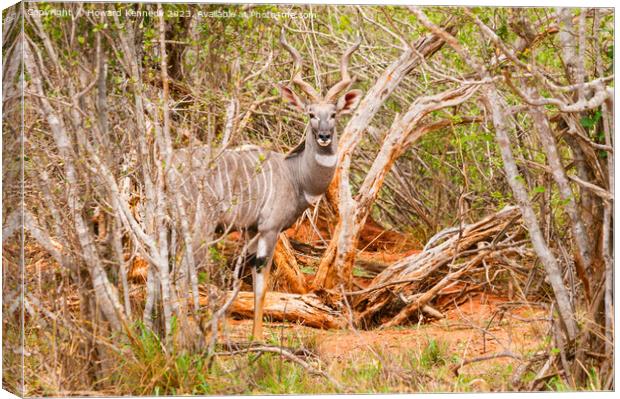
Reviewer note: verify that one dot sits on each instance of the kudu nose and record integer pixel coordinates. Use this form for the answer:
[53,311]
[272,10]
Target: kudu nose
[324,139]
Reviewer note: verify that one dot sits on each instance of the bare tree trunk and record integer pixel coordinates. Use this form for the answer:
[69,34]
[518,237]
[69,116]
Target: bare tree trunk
[168,295]
[102,118]
[117,246]
[607,247]
[376,96]
[105,292]
[339,191]
[337,265]
[496,106]
[559,174]
[131,59]
[572,50]
[151,296]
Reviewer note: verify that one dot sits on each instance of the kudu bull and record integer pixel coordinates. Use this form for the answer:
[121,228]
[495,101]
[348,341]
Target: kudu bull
[256,191]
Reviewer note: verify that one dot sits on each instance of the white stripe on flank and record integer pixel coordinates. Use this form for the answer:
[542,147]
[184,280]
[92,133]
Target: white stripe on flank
[265,184]
[253,185]
[259,189]
[255,165]
[239,192]
[243,187]
[270,185]
[235,198]
[326,160]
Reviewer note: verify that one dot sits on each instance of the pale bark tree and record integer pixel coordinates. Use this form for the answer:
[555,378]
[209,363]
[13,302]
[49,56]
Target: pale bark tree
[579,96]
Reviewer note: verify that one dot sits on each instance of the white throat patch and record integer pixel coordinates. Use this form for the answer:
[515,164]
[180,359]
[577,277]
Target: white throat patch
[327,161]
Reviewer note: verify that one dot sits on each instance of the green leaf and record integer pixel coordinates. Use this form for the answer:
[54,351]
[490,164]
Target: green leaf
[502,31]
[590,121]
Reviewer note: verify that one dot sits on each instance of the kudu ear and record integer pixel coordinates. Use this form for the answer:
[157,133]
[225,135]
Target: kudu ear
[290,97]
[349,101]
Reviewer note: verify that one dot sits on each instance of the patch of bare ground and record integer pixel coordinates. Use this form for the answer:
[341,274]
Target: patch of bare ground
[483,326]
[424,356]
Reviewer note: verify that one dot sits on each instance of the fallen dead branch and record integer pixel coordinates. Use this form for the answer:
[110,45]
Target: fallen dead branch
[232,346]
[288,356]
[426,283]
[404,288]
[455,369]
[307,309]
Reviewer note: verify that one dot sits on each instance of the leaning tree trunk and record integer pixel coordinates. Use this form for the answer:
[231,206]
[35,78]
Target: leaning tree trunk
[339,194]
[337,264]
[497,110]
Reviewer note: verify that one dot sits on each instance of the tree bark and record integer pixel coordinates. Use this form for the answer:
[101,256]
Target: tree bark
[583,253]
[339,192]
[418,278]
[287,276]
[308,309]
[105,292]
[496,107]
[337,265]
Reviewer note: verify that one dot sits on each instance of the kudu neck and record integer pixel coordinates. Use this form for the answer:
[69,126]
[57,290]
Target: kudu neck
[314,167]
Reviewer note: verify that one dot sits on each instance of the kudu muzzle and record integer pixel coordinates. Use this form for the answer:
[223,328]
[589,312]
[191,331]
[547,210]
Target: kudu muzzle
[324,138]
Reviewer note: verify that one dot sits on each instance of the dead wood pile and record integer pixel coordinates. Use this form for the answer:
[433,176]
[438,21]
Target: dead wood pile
[490,253]
[454,262]
[414,284]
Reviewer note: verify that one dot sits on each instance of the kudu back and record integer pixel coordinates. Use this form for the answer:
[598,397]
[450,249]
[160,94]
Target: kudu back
[261,192]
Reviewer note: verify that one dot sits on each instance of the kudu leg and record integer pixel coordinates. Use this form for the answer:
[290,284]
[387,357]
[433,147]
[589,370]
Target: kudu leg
[260,274]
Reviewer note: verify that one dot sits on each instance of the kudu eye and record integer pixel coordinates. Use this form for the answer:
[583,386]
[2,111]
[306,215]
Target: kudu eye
[312,116]
[333,115]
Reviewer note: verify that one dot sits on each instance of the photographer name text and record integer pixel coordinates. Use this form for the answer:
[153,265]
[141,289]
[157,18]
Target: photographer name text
[131,13]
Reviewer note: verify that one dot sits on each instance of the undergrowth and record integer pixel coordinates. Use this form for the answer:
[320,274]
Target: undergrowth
[146,366]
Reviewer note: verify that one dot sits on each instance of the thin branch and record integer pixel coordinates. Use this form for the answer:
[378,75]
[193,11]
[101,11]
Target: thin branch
[289,356]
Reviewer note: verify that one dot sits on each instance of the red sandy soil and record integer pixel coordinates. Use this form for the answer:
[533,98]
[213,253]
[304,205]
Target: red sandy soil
[372,238]
[482,325]
[518,328]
